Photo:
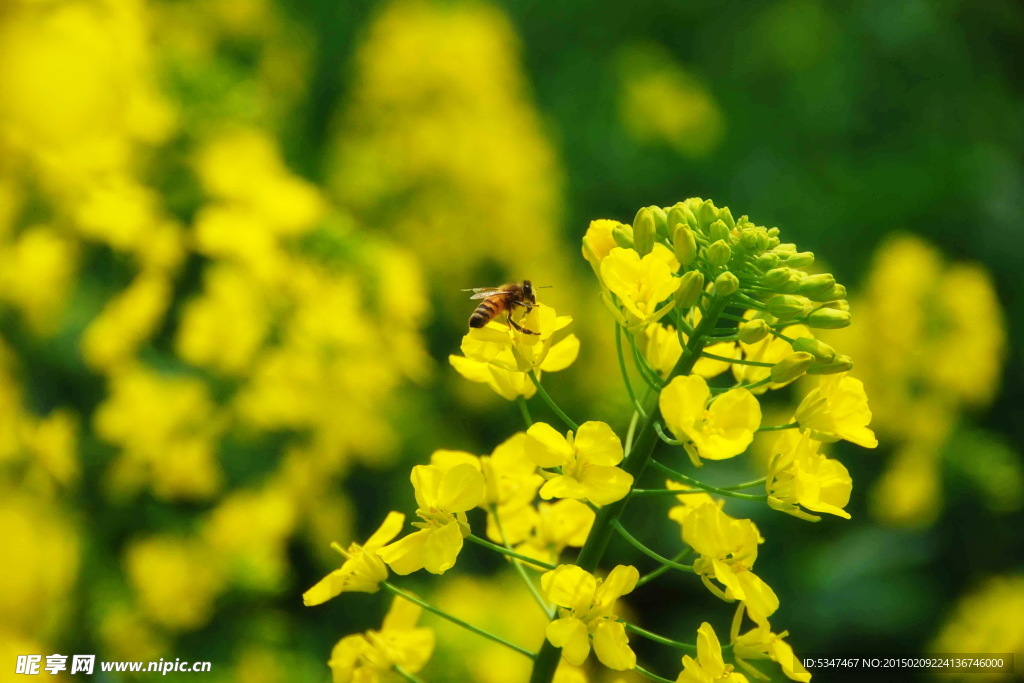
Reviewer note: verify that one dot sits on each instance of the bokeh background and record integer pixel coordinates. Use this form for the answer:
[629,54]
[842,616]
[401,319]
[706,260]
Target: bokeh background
[232,239]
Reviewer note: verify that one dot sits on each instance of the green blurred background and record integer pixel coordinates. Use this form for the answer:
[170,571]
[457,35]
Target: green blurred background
[232,239]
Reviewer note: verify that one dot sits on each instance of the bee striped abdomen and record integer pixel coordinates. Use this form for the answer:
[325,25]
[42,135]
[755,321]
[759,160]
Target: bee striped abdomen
[488,309]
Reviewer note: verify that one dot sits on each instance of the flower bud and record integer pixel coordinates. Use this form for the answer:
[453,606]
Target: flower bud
[718,254]
[842,363]
[784,306]
[828,319]
[718,231]
[773,242]
[791,367]
[752,331]
[767,262]
[726,215]
[661,225]
[644,231]
[726,284]
[776,278]
[623,236]
[706,215]
[763,242]
[748,239]
[691,286]
[814,286]
[685,244]
[821,351]
[773,232]
[800,260]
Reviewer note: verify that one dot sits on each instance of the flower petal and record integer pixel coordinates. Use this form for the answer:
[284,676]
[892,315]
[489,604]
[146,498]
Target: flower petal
[546,447]
[562,354]
[619,582]
[597,444]
[570,634]
[569,586]
[604,485]
[460,489]
[612,646]
[405,555]
[441,547]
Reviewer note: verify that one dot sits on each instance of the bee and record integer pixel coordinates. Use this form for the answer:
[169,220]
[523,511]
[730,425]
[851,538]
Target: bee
[498,300]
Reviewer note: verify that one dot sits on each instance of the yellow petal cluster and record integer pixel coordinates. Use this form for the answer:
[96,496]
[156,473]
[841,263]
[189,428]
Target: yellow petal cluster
[370,657]
[709,666]
[837,409]
[586,614]
[800,475]
[362,570]
[588,462]
[713,429]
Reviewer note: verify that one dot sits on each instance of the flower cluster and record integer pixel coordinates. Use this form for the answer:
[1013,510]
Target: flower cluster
[696,293]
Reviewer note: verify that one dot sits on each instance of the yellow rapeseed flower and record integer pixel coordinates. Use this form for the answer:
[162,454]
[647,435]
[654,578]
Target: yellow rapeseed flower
[837,409]
[713,429]
[586,612]
[800,475]
[641,284]
[709,667]
[371,656]
[587,460]
[362,570]
[443,496]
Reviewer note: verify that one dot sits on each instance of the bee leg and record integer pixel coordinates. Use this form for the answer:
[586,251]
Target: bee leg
[512,323]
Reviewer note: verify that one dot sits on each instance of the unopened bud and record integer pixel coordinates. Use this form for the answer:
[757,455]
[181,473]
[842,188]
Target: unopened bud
[748,239]
[691,286]
[752,331]
[773,242]
[725,215]
[842,363]
[821,351]
[800,260]
[828,319]
[791,367]
[776,278]
[718,231]
[773,232]
[685,244]
[644,231]
[718,254]
[680,215]
[623,236]
[784,306]
[815,285]
[706,215]
[768,261]
[726,284]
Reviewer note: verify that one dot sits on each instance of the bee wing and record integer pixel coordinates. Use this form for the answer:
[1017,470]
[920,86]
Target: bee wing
[483,292]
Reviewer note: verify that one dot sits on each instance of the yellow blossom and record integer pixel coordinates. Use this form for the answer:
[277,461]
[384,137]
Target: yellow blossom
[126,321]
[728,549]
[690,499]
[598,241]
[760,643]
[771,349]
[800,475]
[555,527]
[370,657]
[443,496]
[837,409]
[588,461]
[661,349]
[717,431]
[641,284]
[709,667]
[362,570]
[586,611]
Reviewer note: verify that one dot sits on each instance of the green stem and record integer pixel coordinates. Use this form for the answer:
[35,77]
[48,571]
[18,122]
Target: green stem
[625,373]
[655,573]
[455,620]
[551,403]
[659,639]
[411,678]
[653,676]
[737,361]
[519,567]
[511,553]
[690,481]
[665,437]
[664,561]
[634,463]
[776,428]
[525,410]
[648,373]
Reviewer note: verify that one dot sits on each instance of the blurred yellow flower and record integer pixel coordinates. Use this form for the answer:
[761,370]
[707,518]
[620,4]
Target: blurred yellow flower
[173,580]
[36,273]
[370,657]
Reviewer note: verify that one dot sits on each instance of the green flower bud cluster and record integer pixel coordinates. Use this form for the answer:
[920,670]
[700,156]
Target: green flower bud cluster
[739,259]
